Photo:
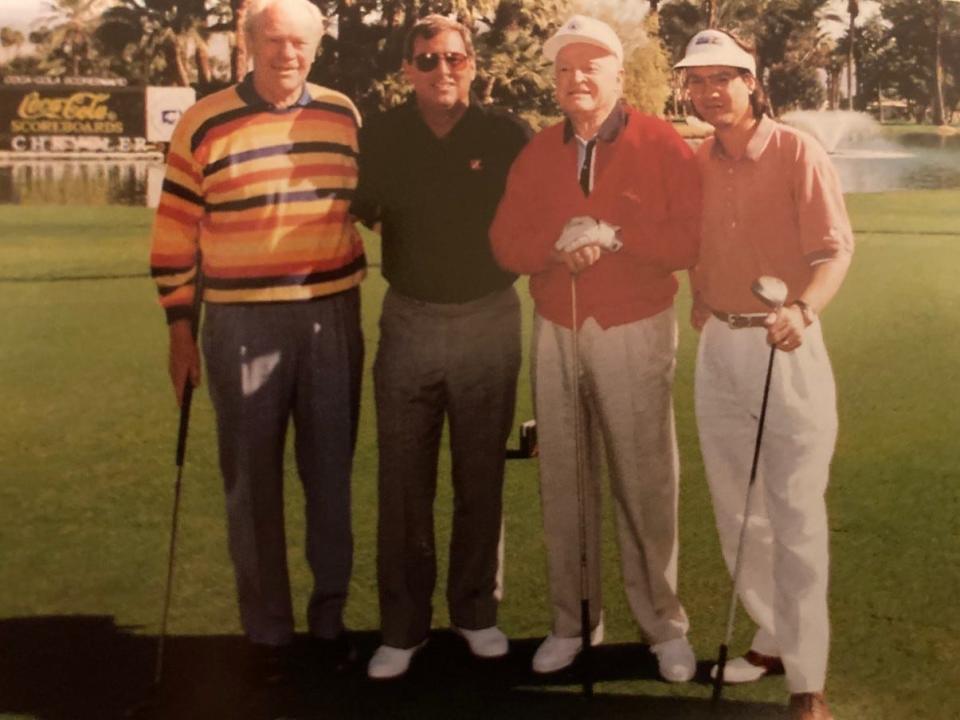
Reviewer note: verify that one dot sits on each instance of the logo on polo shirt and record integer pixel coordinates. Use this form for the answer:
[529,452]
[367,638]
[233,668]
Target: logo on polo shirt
[476,164]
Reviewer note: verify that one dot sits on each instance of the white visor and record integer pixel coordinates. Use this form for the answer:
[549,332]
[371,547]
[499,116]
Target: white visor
[712,47]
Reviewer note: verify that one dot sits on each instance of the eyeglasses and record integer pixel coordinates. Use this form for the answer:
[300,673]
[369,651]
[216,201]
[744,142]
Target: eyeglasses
[719,81]
[427,62]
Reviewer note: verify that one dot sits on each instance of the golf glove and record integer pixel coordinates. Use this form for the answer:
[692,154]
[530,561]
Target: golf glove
[583,230]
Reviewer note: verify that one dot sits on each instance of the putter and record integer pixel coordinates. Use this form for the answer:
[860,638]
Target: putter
[585,659]
[773,293]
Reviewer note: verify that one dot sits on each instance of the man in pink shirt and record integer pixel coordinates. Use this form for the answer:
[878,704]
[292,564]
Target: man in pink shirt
[772,205]
[610,196]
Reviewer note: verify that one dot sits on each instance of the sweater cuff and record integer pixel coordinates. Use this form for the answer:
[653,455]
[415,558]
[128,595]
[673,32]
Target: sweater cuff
[178,312]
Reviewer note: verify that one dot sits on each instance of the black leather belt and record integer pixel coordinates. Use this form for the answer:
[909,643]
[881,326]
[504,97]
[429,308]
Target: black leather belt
[742,320]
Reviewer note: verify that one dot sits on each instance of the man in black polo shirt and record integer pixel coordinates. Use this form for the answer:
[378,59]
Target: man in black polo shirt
[432,172]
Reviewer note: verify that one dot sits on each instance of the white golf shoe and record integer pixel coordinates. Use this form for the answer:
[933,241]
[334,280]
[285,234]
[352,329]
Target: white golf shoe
[556,653]
[749,668]
[675,660]
[390,662]
[486,643]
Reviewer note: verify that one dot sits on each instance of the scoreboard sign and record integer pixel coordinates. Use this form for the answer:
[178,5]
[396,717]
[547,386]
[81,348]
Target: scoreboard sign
[65,118]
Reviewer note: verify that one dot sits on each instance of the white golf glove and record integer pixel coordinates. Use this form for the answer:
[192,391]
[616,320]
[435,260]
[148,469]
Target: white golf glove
[583,230]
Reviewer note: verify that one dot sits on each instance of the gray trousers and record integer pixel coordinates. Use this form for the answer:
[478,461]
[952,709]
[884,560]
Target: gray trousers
[460,361]
[265,364]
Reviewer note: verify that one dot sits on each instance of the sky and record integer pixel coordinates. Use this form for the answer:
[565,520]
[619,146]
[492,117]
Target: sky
[20,14]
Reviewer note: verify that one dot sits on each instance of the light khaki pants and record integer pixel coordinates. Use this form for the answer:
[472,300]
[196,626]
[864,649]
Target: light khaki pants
[627,411]
[783,576]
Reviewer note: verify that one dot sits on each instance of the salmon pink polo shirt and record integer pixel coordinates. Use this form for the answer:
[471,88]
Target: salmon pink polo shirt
[778,211]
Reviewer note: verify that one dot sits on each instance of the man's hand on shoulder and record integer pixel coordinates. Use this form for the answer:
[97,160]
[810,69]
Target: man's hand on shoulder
[184,361]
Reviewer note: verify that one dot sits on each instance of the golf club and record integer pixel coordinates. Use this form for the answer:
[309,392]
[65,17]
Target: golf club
[585,665]
[181,452]
[147,703]
[773,293]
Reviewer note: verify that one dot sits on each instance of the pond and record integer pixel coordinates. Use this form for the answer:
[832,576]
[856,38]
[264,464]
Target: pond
[910,161]
[914,161]
[81,182]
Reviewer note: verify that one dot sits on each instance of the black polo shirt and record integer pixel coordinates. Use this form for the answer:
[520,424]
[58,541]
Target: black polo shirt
[436,198]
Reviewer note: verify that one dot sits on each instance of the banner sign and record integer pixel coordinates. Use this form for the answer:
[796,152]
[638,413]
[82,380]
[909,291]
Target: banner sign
[165,105]
[60,118]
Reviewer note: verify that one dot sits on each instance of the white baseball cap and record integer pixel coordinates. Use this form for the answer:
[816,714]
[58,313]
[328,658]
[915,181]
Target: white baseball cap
[583,29]
[713,47]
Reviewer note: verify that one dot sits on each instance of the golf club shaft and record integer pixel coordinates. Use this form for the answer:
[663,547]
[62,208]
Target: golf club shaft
[185,404]
[732,612]
[581,499]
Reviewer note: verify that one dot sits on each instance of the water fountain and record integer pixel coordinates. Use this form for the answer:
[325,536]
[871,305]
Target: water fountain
[837,130]
[865,160]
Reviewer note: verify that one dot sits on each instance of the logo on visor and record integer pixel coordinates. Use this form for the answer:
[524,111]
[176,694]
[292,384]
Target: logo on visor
[709,40]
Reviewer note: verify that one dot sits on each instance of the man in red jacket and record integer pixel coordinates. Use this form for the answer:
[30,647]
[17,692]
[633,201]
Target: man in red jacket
[608,200]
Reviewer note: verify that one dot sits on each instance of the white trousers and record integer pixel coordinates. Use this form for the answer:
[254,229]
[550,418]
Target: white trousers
[626,376]
[784,570]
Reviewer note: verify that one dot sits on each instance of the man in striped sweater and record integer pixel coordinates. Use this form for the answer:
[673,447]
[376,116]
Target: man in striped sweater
[255,202]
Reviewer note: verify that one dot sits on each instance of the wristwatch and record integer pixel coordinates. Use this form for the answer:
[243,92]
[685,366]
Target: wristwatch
[808,313]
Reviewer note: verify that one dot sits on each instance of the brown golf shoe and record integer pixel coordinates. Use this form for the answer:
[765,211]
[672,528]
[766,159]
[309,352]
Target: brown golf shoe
[809,706]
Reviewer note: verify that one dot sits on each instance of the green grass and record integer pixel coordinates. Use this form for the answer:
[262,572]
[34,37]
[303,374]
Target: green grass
[87,442]
[901,127]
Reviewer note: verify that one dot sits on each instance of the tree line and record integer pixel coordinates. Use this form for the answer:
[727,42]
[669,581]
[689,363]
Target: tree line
[909,51]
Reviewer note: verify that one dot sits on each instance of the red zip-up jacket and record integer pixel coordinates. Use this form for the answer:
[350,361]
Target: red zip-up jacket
[646,182]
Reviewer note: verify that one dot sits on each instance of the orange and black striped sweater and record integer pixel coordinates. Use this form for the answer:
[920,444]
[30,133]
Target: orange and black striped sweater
[262,196]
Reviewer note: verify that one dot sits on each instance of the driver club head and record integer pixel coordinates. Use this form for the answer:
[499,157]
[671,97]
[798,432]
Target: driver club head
[771,291]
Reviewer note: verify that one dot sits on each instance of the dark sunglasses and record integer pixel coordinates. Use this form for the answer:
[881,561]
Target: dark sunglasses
[426,62]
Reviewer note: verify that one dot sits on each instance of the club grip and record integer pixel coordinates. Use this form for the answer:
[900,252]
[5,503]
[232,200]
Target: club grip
[185,404]
[187,399]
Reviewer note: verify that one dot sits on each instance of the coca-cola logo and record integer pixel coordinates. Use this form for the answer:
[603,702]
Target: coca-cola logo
[78,106]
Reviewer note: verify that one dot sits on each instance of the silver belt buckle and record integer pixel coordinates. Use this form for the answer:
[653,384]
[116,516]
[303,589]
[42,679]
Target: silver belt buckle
[737,321]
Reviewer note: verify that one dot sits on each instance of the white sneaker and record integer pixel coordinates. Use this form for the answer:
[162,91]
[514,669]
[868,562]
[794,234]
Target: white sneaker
[390,662]
[489,642]
[556,653]
[675,660]
[748,668]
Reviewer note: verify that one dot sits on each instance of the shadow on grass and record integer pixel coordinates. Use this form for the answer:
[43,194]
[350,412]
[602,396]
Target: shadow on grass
[80,667]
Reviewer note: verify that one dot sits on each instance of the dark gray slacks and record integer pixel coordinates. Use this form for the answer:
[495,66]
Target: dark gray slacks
[265,364]
[460,361]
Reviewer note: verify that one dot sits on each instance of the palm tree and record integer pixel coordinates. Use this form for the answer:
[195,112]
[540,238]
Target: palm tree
[140,31]
[240,57]
[68,29]
[940,11]
[853,9]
